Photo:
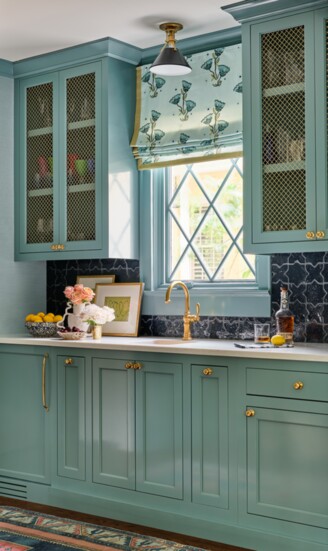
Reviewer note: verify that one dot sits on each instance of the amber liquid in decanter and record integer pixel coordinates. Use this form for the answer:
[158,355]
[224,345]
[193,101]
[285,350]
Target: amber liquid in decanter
[285,318]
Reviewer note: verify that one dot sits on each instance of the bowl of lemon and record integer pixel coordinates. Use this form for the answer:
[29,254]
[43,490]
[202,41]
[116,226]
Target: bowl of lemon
[42,325]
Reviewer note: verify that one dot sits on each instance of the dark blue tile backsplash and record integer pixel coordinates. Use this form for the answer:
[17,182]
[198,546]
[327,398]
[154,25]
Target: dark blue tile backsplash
[306,275]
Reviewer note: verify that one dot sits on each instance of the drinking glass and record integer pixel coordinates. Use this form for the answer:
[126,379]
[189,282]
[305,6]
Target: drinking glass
[262,333]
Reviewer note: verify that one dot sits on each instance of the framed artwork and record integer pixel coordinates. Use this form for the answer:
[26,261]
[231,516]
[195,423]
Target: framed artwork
[125,299]
[91,281]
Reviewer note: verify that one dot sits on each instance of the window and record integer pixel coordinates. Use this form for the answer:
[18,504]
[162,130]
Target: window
[191,230]
[204,229]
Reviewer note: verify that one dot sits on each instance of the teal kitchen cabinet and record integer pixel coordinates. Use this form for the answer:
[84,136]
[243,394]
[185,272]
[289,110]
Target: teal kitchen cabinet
[210,441]
[113,407]
[286,448]
[25,411]
[74,168]
[71,416]
[137,425]
[285,125]
[159,442]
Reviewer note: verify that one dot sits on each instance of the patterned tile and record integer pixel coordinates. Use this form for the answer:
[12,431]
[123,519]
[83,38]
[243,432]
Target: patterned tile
[305,274]
[61,273]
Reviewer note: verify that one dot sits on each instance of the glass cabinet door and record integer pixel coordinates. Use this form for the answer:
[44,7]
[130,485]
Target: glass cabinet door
[38,164]
[81,135]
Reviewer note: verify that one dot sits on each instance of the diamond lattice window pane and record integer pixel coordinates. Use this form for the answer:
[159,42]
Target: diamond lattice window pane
[190,268]
[230,202]
[212,242]
[177,248]
[189,205]
[208,209]
[210,175]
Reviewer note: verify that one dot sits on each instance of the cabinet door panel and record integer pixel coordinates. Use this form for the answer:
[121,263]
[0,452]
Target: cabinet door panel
[24,427]
[210,471]
[71,417]
[38,163]
[80,221]
[321,102]
[113,423]
[287,466]
[159,429]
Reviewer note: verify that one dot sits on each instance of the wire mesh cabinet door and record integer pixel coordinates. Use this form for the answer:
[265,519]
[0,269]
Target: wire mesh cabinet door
[38,150]
[281,185]
[80,131]
[58,134]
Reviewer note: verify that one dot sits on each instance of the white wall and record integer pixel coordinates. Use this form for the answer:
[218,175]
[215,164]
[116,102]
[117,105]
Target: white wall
[22,284]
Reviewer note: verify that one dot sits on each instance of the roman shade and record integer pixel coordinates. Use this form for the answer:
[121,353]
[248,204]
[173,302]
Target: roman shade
[193,118]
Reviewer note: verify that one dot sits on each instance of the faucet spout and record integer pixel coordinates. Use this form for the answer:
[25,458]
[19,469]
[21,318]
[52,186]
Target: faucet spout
[188,318]
[186,294]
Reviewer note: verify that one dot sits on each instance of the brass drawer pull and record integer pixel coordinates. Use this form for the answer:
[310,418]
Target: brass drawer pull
[250,412]
[298,385]
[57,247]
[310,235]
[44,393]
[137,365]
[129,365]
[68,361]
[207,371]
[320,234]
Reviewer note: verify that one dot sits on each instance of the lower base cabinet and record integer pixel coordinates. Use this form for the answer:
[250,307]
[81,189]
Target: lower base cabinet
[26,408]
[287,477]
[163,440]
[137,425]
[210,441]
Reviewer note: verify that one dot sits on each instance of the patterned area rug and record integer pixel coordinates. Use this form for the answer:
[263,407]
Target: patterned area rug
[22,530]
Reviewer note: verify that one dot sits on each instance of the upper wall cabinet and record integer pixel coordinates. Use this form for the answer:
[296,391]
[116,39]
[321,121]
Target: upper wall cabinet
[76,180]
[285,125]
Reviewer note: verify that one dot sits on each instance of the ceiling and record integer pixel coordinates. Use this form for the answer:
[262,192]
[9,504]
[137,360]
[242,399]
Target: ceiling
[33,27]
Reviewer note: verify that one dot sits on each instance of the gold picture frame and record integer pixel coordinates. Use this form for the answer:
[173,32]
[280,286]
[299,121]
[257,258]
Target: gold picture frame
[125,298]
[92,280]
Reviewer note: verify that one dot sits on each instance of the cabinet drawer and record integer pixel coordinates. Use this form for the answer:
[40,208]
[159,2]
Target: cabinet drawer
[287,384]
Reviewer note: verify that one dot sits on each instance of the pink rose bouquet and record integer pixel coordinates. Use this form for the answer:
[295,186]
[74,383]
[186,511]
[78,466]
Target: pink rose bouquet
[79,294]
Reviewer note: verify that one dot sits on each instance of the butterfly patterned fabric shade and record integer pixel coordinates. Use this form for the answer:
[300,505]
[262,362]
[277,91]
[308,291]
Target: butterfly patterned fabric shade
[192,118]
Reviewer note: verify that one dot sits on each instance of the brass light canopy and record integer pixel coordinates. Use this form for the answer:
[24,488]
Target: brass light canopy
[170,62]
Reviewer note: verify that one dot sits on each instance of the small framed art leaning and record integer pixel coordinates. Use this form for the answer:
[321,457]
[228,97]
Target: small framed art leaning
[125,299]
[91,281]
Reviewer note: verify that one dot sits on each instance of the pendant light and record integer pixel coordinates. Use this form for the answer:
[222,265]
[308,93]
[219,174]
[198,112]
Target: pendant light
[170,62]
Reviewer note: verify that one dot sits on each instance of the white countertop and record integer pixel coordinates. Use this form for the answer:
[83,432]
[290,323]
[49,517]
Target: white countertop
[205,347]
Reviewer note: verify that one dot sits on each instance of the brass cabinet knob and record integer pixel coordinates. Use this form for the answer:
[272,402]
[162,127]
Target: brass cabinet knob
[207,371]
[68,361]
[320,234]
[57,247]
[129,365]
[249,412]
[298,385]
[137,365]
[310,235]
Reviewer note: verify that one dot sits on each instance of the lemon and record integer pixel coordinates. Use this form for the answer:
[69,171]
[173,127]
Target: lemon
[50,314]
[278,340]
[58,318]
[38,319]
[41,314]
[48,318]
[29,317]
